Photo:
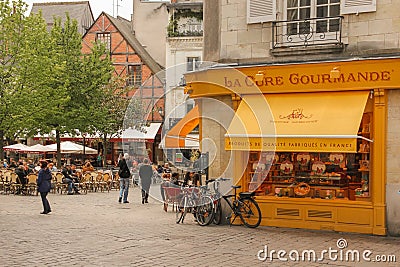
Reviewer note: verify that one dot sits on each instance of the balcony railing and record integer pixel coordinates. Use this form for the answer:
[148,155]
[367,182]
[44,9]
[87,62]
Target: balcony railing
[307,32]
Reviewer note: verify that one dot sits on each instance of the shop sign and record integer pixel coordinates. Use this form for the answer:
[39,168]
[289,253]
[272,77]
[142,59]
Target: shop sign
[309,79]
[179,157]
[287,144]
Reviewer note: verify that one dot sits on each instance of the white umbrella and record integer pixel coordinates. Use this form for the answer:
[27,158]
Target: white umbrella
[38,149]
[68,147]
[15,147]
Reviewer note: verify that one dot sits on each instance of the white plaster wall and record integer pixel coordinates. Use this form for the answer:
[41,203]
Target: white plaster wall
[178,49]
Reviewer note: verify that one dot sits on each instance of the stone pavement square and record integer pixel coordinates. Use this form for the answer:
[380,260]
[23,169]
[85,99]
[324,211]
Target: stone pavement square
[96,230]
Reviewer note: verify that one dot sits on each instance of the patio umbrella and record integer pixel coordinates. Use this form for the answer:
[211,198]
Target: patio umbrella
[15,147]
[68,147]
[38,149]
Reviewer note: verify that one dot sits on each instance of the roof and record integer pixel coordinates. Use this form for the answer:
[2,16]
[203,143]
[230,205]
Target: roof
[124,27]
[79,10]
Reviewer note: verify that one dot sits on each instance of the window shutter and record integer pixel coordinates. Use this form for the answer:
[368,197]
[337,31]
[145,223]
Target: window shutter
[357,6]
[261,11]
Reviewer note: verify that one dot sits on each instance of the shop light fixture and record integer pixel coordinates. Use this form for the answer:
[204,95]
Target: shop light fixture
[259,76]
[335,73]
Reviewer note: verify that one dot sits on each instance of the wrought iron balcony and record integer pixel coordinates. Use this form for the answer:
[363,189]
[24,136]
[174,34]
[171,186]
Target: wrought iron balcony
[307,32]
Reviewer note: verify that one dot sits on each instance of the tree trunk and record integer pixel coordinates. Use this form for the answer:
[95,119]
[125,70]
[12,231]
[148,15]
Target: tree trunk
[104,158]
[1,145]
[58,140]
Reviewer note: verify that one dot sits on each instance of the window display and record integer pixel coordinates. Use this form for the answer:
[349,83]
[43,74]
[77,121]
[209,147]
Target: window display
[314,175]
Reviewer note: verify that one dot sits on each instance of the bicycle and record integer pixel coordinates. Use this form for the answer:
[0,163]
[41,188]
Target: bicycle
[192,201]
[245,206]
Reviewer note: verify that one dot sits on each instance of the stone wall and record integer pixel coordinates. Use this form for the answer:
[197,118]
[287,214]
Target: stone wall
[363,34]
[393,164]
[216,115]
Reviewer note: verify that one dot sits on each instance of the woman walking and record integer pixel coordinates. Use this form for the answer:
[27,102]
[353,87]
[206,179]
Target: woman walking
[44,186]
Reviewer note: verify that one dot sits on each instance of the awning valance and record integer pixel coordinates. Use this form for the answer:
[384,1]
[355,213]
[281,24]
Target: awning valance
[147,134]
[307,122]
[175,138]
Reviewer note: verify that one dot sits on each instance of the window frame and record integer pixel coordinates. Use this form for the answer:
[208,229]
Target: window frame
[134,77]
[104,40]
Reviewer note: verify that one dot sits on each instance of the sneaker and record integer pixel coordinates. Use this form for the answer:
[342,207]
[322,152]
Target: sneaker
[126,201]
[146,201]
[120,199]
[70,193]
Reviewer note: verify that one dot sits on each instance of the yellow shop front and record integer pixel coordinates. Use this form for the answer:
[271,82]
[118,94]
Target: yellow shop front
[310,140]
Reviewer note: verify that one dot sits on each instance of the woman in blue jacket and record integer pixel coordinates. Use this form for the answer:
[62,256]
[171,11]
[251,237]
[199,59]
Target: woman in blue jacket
[44,186]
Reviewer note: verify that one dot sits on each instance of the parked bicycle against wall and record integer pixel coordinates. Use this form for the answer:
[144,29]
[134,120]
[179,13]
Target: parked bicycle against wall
[243,206]
[192,200]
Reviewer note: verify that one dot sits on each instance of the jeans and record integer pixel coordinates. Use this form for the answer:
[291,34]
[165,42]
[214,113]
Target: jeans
[124,188]
[71,185]
[46,204]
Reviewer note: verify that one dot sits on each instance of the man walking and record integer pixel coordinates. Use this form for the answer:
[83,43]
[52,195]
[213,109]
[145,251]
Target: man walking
[124,175]
[145,174]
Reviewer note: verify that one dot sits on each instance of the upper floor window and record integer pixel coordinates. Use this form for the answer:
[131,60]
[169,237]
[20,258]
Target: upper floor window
[104,38]
[306,9]
[134,75]
[192,63]
[266,10]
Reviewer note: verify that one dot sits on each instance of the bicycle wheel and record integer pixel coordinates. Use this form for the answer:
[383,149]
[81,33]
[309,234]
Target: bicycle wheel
[249,212]
[180,210]
[217,212]
[205,211]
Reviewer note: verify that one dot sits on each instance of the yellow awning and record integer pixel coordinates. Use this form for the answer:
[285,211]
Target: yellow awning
[175,138]
[307,122]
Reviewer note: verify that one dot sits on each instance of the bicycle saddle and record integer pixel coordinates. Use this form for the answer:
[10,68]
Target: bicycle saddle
[236,186]
[246,194]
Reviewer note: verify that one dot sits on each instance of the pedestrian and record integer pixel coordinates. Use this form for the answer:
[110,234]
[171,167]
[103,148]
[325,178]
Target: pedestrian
[44,186]
[145,174]
[124,175]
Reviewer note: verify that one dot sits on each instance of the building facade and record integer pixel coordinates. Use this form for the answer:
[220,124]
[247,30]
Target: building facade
[312,89]
[134,64]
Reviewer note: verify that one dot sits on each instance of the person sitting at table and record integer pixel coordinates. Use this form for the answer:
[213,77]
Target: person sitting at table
[51,167]
[188,180]
[20,171]
[166,171]
[13,164]
[74,173]
[69,179]
[88,167]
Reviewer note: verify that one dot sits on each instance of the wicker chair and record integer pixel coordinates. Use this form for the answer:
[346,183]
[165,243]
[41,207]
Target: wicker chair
[31,186]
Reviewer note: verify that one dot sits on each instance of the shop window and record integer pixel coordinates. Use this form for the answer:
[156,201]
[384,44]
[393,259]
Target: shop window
[314,175]
[104,38]
[134,75]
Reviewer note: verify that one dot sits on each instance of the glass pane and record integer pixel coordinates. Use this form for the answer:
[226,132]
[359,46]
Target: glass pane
[322,11]
[334,25]
[292,14]
[335,1]
[322,2]
[304,27]
[305,13]
[322,26]
[292,3]
[305,2]
[292,28]
[334,11]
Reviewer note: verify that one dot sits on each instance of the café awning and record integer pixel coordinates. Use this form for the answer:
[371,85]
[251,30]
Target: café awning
[303,122]
[175,138]
[145,134]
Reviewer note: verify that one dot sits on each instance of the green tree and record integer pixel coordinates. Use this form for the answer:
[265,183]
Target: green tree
[69,85]
[12,22]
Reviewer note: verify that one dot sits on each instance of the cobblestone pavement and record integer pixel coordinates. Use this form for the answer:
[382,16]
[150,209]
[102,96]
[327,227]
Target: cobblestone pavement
[95,230]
